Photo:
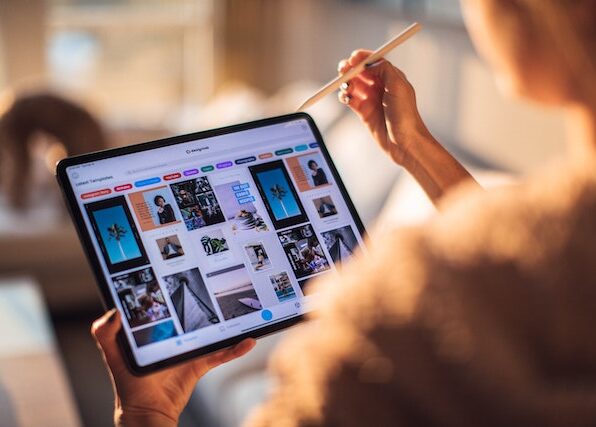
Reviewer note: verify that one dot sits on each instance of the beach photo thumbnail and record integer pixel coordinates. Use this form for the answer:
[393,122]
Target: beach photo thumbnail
[234,292]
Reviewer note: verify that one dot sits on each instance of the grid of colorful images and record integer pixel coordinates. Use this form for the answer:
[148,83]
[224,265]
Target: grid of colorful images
[303,250]
[197,203]
[237,223]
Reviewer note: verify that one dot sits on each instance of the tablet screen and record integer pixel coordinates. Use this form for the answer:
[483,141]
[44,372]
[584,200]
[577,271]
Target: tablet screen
[204,240]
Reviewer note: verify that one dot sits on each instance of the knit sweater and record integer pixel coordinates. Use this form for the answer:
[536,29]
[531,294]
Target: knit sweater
[483,316]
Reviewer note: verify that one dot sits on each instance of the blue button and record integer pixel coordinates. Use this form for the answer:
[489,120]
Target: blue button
[266,315]
[149,181]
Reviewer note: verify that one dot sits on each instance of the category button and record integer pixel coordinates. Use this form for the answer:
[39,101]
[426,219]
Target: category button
[265,155]
[148,181]
[223,165]
[313,144]
[172,176]
[246,160]
[284,151]
[123,187]
[302,147]
[208,168]
[190,172]
[97,193]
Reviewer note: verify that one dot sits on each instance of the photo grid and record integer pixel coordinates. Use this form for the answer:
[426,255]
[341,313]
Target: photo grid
[225,260]
[197,203]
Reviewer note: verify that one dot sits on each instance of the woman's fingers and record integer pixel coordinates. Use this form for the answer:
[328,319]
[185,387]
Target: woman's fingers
[199,367]
[231,353]
[105,330]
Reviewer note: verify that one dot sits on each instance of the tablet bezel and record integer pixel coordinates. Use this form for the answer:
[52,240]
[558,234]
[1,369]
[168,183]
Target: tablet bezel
[92,256]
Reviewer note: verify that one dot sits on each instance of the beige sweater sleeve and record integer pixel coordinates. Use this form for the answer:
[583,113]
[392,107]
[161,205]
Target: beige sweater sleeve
[479,318]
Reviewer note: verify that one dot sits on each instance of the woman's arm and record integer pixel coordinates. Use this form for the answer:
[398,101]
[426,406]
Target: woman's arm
[385,101]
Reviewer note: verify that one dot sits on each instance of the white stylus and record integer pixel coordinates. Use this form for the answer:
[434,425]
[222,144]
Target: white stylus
[334,84]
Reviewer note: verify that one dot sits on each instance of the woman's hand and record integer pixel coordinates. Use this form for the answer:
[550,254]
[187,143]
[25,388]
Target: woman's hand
[385,101]
[156,399]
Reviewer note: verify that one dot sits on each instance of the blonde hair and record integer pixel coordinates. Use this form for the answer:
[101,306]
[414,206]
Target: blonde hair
[567,28]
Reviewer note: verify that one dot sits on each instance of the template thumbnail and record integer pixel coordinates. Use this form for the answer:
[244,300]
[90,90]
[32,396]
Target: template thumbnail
[303,250]
[214,242]
[237,203]
[116,234]
[309,170]
[234,292]
[170,247]
[197,203]
[341,243]
[282,286]
[191,300]
[278,193]
[259,260]
[141,297]
[161,331]
[325,206]
[154,208]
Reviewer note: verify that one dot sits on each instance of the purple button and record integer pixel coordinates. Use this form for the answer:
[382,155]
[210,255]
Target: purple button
[191,172]
[223,165]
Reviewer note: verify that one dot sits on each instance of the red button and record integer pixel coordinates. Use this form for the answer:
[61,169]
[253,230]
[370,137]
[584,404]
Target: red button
[123,187]
[172,176]
[96,193]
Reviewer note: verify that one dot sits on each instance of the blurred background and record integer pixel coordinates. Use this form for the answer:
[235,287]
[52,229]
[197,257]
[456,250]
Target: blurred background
[81,75]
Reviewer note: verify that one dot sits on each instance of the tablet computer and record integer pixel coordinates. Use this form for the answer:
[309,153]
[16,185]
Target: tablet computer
[202,240]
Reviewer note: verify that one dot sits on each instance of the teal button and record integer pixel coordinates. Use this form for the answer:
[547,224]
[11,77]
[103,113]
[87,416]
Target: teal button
[284,151]
[301,147]
[207,168]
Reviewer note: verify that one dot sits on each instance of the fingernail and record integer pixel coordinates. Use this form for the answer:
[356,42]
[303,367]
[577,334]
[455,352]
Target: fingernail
[344,86]
[374,64]
[112,315]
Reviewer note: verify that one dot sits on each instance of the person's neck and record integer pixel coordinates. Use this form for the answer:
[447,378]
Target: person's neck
[581,130]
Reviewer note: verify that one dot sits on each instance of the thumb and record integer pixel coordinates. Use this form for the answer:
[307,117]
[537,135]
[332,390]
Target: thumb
[105,331]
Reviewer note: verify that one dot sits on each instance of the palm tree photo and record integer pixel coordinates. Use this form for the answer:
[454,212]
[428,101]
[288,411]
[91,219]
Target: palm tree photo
[278,192]
[117,232]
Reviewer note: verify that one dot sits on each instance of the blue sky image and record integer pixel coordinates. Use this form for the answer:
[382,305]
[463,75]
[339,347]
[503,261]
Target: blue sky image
[128,245]
[270,178]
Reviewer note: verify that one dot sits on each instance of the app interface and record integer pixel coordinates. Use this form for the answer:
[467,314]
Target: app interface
[206,240]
